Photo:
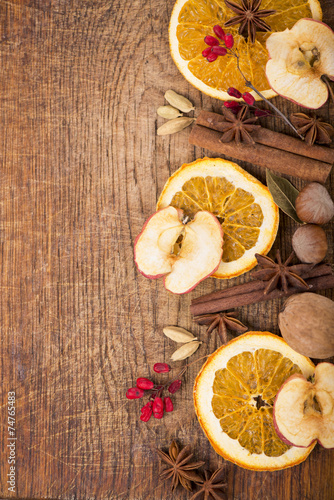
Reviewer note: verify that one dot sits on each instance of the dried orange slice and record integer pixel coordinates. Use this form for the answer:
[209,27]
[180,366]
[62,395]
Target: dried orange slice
[192,20]
[234,394]
[242,204]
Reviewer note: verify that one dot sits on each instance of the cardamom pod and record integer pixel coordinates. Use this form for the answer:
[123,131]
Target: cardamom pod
[178,334]
[173,126]
[185,350]
[168,112]
[178,101]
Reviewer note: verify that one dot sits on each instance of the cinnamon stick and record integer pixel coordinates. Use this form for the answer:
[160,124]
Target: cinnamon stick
[254,286]
[250,287]
[225,303]
[273,139]
[277,160]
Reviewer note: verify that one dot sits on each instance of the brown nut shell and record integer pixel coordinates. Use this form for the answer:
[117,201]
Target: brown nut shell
[314,204]
[310,244]
[307,324]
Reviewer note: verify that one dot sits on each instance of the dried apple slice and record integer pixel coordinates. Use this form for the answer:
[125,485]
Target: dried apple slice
[298,59]
[153,255]
[304,411]
[184,262]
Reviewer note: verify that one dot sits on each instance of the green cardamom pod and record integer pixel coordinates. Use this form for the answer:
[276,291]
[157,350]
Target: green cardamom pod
[178,334]
[168,112]
[178,101]
[185,350]
[176,125]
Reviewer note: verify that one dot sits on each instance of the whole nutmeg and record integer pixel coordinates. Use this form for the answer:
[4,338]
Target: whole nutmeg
[314,204]
[307,324]
[310,244]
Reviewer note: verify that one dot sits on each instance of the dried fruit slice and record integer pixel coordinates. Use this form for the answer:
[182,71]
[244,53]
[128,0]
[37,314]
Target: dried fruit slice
[198,255]
[192,20]
[243,206]
[298,59]
[304,411]
[234,394]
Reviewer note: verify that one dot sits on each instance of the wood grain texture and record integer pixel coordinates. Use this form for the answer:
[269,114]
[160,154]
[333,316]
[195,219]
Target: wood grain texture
[81,170]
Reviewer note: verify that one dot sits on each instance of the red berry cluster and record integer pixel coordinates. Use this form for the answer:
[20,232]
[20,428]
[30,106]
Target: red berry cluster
[247,98]
[156,405]
[215,48]
[221,46]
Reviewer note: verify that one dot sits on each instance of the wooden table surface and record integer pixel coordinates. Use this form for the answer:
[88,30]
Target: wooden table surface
[81,170]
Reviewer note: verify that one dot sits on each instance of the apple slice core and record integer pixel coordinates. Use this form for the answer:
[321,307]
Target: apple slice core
[168,238]
[153,246]
[304,411]
[200,253]
[198,256]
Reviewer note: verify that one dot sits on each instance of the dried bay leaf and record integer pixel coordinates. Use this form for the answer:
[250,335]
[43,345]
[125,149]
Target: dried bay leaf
[176,125]
[284,194]
[178,334]
[185,350]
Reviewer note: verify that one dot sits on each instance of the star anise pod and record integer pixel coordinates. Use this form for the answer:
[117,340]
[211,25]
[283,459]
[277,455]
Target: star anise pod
[180,469]
[275,272]
[249,16]
[212,487]
[314,129]
[238,127]
[222,321]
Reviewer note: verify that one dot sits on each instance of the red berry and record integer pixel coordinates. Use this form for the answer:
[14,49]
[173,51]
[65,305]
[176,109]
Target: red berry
[231,104]
[144,383]
[161,368]
[218,30]
[229,41]
[248,98]
[206,52]
[145,417]
[158,408]
[234,92]
[211,57]
[262,112]
[220,51]
[158,405]
[168,404]
[146,412]
[174,386]
[134,393]
[211,40]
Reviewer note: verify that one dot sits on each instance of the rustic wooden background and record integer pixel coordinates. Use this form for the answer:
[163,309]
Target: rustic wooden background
[81,170]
